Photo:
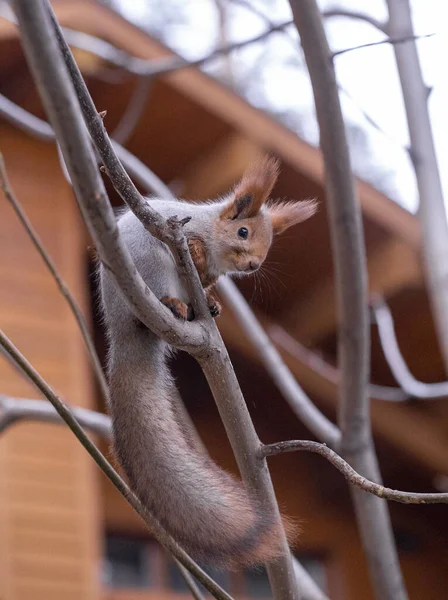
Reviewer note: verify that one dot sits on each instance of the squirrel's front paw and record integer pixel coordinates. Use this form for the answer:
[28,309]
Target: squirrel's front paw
[215,309]
[178,308]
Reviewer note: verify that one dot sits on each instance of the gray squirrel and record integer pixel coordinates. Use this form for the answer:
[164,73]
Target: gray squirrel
[207,510]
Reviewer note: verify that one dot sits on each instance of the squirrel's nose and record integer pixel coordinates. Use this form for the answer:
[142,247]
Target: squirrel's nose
[254,265]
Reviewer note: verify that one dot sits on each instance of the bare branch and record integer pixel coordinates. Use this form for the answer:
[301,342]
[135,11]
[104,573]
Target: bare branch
[133,111]
[394,41]
[64,412]
[351,475]
[158,66]
[327,371]
[14,410]
[169,231]
[25,121]
[348,247]
[357,15]
[370,120]
[306,411]
[164,65]
[189,580]
[432,210]
[5,186]
[395,360]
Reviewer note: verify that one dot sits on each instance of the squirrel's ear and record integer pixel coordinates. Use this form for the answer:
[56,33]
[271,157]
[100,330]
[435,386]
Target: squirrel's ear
[287,214]
[253,190]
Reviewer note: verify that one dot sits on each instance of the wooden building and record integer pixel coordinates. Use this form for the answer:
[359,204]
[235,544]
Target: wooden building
[64,533]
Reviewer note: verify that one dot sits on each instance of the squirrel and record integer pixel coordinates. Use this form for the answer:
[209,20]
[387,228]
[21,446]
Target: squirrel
[207,510]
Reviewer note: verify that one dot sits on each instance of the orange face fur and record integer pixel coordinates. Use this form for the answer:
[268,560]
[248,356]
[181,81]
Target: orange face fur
[249,221]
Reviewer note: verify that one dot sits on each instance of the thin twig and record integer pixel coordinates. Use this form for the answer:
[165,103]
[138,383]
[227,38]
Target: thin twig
[6,187]
[324,369]
[394,41]
[349,255]
[336,12]
[189,580]
[158,66]
[169,231]
[15,410]
[357,15]
[163,537]
[351,475]
[133,111]
[395,360]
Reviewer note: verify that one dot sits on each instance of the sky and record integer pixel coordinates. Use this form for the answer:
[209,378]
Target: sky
[367,76]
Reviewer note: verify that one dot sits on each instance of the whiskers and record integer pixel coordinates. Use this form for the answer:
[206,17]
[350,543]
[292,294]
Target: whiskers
[266,283]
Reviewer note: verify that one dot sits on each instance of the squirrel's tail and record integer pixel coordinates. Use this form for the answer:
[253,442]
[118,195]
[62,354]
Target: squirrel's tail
[208,511]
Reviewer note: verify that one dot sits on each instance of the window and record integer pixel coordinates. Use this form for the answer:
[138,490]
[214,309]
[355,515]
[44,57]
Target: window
[135,563]
[127,563]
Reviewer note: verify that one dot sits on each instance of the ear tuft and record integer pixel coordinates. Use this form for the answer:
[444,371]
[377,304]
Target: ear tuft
[286,214]
[253,190]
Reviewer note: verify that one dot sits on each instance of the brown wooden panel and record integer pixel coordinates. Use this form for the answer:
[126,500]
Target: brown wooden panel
[49,547]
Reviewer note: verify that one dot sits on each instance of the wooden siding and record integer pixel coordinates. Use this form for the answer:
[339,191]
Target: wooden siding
[48,491]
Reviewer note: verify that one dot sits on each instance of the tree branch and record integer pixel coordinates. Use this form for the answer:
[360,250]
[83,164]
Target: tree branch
[432,211]
[14,410]
[133,111]
[5,186]
[357,15]
[395,360]
[327,371]
[394,41]
[349,257]
[155,67]
[170,231]
[351,475]
[164,538]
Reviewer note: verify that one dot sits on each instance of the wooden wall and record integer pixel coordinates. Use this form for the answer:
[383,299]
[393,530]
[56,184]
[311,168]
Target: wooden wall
[49,519]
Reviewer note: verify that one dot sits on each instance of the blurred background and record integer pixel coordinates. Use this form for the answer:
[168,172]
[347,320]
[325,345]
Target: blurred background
[65,532]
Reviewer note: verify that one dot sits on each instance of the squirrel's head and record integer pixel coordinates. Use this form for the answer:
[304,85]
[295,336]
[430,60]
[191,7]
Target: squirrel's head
[250,220]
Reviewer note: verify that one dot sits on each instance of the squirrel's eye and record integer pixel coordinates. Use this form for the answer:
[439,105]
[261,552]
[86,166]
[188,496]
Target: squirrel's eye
[243,232]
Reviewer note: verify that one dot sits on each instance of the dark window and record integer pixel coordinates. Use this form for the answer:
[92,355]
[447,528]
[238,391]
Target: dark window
[126,563]
[140,563]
